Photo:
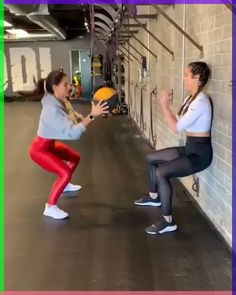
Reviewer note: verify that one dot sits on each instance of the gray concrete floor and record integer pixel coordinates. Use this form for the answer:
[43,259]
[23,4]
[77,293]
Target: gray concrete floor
[103,245]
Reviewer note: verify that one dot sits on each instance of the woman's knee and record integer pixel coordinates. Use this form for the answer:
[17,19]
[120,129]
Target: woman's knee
[36,157]
[155,156]
[32,152]
[148,157]
[151,157]
[161,173]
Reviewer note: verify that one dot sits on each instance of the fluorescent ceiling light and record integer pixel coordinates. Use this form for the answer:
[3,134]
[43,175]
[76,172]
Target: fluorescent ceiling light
[28,36]
[7,24]
[18,32]
[39,35]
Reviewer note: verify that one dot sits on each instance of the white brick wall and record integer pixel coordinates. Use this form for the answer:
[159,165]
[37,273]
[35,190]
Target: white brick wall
[210,26]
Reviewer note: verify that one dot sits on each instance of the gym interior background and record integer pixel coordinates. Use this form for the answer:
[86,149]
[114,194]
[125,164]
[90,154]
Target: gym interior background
[144,49]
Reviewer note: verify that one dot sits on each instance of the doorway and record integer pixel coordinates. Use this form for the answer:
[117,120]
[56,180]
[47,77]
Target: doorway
[81,73]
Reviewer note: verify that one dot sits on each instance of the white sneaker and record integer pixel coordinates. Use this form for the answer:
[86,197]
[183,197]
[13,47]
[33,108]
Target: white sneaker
[54,212]
[72,188]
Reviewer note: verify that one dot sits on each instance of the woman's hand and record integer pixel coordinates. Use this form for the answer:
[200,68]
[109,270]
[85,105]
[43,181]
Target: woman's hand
[165,97]
[99,109]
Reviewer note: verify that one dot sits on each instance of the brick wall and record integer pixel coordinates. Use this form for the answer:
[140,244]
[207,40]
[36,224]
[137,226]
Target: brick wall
[211,27]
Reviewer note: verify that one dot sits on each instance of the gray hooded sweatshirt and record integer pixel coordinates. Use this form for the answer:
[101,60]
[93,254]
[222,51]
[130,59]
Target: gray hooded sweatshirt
[54,122]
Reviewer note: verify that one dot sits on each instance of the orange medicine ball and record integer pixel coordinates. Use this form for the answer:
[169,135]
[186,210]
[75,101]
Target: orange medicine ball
[104,93]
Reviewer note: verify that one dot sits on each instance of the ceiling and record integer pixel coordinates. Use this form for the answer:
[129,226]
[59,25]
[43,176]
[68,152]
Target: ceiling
[61,21]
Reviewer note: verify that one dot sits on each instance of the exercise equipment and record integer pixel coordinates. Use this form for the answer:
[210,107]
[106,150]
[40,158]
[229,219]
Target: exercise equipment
[107,94]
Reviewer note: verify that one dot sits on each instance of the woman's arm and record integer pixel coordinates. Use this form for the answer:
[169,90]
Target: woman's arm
[195,110]
[165,104]
[86,121]
[54,121]
[170,117]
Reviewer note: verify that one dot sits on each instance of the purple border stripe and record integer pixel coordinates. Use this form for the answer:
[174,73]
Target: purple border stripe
[117,293]
[233,139]
[119,2]
[234,149]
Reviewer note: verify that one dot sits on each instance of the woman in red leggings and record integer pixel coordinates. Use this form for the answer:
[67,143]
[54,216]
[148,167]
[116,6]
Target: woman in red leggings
[57,121]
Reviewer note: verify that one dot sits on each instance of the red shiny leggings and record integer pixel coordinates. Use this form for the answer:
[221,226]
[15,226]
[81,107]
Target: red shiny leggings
[57,158]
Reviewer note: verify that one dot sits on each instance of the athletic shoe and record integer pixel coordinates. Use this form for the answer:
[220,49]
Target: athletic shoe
[148,201]
[54,212]
[161,227]
[72,188]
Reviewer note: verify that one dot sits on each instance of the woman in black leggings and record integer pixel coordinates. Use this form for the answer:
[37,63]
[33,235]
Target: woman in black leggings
[194,117]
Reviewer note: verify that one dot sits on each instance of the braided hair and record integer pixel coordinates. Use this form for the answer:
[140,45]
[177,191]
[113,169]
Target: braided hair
[202,70]
[72,114]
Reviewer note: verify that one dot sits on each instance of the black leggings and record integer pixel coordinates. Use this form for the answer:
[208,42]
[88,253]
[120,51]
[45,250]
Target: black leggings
[178,161]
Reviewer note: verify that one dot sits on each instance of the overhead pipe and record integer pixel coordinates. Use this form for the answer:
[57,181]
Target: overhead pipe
[22,9]
[48,23]
[99,31]
[102,25]
[108,9]
[40,15]
[104,18]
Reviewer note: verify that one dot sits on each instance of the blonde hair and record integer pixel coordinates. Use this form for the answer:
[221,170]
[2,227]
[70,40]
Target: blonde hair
[73,115]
